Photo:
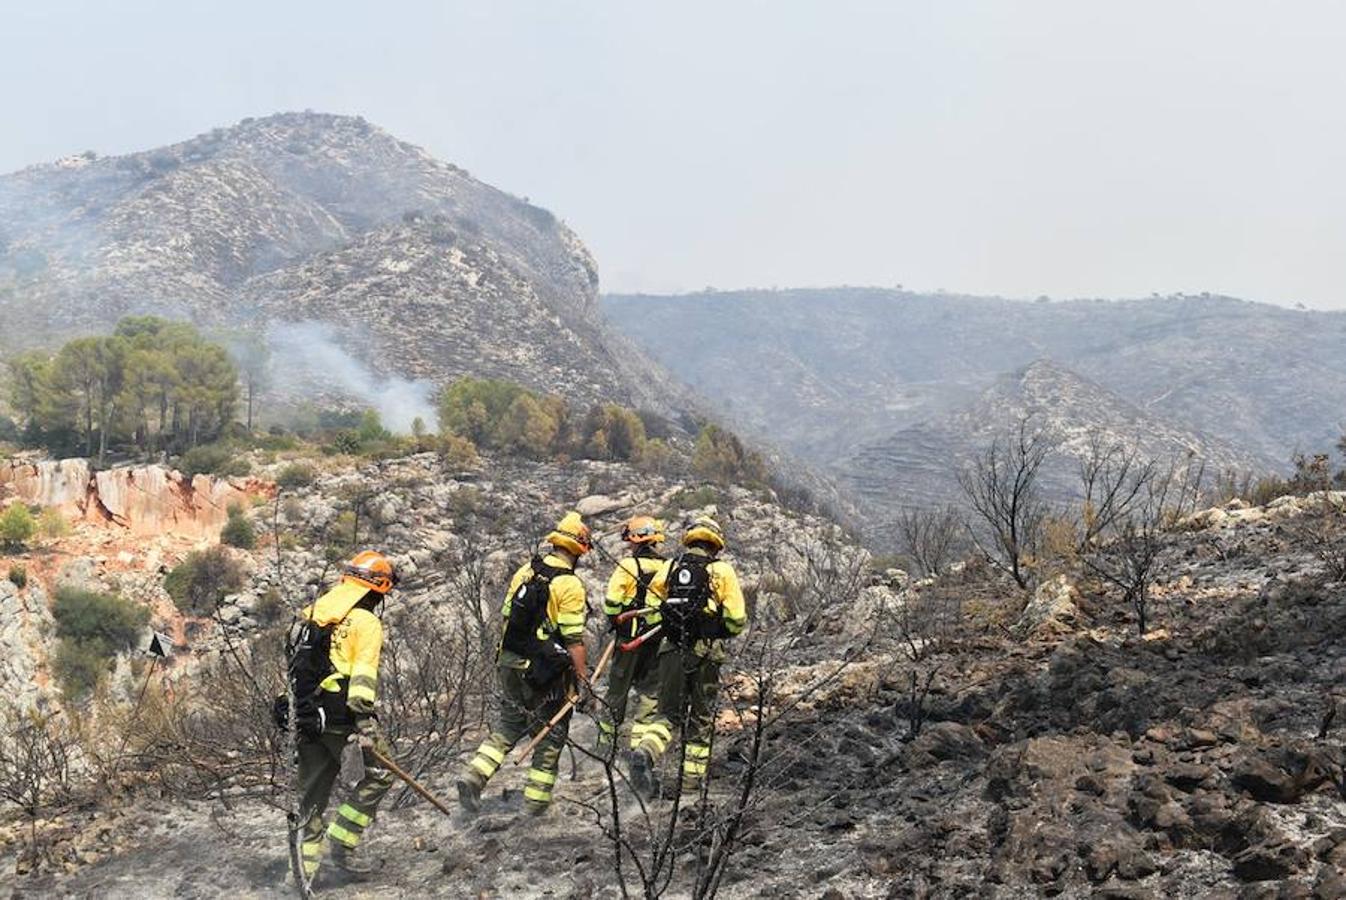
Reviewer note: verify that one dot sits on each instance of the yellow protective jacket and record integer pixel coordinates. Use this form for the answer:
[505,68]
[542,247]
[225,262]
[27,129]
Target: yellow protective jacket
[624,590]
[566,607]
[356,643]
[725,600]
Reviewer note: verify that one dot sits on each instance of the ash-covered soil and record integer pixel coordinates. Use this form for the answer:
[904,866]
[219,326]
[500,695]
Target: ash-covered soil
[1057,756]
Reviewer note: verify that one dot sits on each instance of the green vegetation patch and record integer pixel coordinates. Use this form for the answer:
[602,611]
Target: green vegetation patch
[92,628]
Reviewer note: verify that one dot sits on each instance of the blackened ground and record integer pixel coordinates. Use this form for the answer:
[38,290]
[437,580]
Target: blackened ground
[1090,763]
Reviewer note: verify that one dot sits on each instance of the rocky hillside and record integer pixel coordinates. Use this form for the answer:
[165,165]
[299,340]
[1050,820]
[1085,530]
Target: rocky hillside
[935,739]
[321,219]
[920,463]
[826,372]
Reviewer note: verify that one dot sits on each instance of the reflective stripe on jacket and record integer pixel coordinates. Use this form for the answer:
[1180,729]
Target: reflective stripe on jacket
[726,597]
[623,588]
[356,643]
[566,606]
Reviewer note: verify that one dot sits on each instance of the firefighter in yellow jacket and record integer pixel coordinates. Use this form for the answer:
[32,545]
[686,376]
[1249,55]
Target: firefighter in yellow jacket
[636,662]
[541,655]
[346,703]
[700,603]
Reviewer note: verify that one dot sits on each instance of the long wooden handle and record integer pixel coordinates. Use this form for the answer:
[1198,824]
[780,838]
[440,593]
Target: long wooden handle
[566,707]
[411,782]
[630,614]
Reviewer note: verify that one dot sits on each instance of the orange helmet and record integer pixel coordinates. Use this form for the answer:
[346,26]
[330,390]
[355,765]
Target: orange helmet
[643,530]
[571,534]
[370,569]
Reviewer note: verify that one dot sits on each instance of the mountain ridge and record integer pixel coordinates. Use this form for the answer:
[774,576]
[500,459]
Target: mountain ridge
[311,206]
[919,465]
[825,372]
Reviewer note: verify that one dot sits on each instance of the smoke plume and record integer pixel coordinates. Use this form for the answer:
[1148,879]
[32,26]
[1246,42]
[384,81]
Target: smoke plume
[313,351]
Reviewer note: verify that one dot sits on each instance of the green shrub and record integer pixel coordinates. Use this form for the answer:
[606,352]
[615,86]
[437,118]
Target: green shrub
[238,531]
[347,442]
[371,428]
[16,526]
[51,524]
[656,457]
[214,459]
[201,581]
[296,475]
[86,615]
[472,408]
[720,456]
[464,503]
[18,575]
[78,665]
[270,606]
[457,452]
[614,432]
[692,498]
[341,536]
[274,441]
[92,628]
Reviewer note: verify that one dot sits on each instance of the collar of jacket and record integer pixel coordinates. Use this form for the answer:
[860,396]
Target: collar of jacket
[560,559]
[337,603]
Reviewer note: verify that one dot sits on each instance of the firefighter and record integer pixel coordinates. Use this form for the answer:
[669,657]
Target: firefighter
[347,613]
[700,603]
[541,655]
[636,662]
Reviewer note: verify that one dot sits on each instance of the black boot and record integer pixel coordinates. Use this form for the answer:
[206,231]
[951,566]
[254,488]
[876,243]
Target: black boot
[351,864]
[469,796]
[642,773]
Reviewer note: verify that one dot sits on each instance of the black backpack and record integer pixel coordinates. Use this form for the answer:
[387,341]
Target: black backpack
[683,610]
[643,579]
[308,654]
[547,657]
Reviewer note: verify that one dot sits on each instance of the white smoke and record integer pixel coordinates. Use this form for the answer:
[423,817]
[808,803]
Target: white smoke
[314,350]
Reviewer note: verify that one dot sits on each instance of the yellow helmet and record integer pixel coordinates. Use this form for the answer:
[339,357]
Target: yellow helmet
[643,530]
[372,570]
[571,534]
[704,529]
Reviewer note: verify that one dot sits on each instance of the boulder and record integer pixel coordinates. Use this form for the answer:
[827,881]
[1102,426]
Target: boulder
[80,573]
[1205,519]
[1271,860]
[385,512]
[944,741]
[598,504]
[1262,780]
[1052,610]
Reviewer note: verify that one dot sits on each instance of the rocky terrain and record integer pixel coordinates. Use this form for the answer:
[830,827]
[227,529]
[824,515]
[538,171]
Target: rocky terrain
[921,462]
[139,500]
[940,738]
[826,373]
[321,221]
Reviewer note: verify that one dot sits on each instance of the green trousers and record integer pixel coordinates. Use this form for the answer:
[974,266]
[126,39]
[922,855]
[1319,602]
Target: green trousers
[637,669]
[689,686]
[319,766]
[524,711]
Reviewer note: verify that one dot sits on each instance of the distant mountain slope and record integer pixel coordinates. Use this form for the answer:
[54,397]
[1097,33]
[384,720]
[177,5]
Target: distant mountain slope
[918,465]
[826,372]
[418,268]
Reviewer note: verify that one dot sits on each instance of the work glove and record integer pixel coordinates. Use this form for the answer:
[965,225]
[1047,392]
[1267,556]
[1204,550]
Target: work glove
[585,700]
[710,627]
[366,732]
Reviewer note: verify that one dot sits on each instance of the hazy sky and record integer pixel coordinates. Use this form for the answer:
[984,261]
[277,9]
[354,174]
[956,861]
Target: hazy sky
[1012,147]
